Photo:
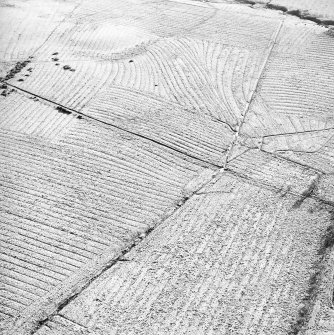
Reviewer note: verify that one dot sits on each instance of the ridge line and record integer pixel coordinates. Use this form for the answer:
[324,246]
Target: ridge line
[238,128]
[65,109]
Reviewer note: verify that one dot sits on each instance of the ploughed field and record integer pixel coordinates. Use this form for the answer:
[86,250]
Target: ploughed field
[166,167]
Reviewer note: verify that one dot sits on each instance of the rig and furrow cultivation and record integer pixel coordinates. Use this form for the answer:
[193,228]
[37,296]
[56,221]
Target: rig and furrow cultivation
[166,167]
[234,257]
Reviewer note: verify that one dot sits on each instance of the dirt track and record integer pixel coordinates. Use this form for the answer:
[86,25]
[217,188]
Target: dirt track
[166,167]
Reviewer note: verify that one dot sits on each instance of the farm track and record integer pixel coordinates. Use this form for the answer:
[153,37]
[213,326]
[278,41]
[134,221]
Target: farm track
[166,168]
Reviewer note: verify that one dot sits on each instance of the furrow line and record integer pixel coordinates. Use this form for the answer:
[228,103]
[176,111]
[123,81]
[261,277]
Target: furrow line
[117,127]
[111,263]
[253,94]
